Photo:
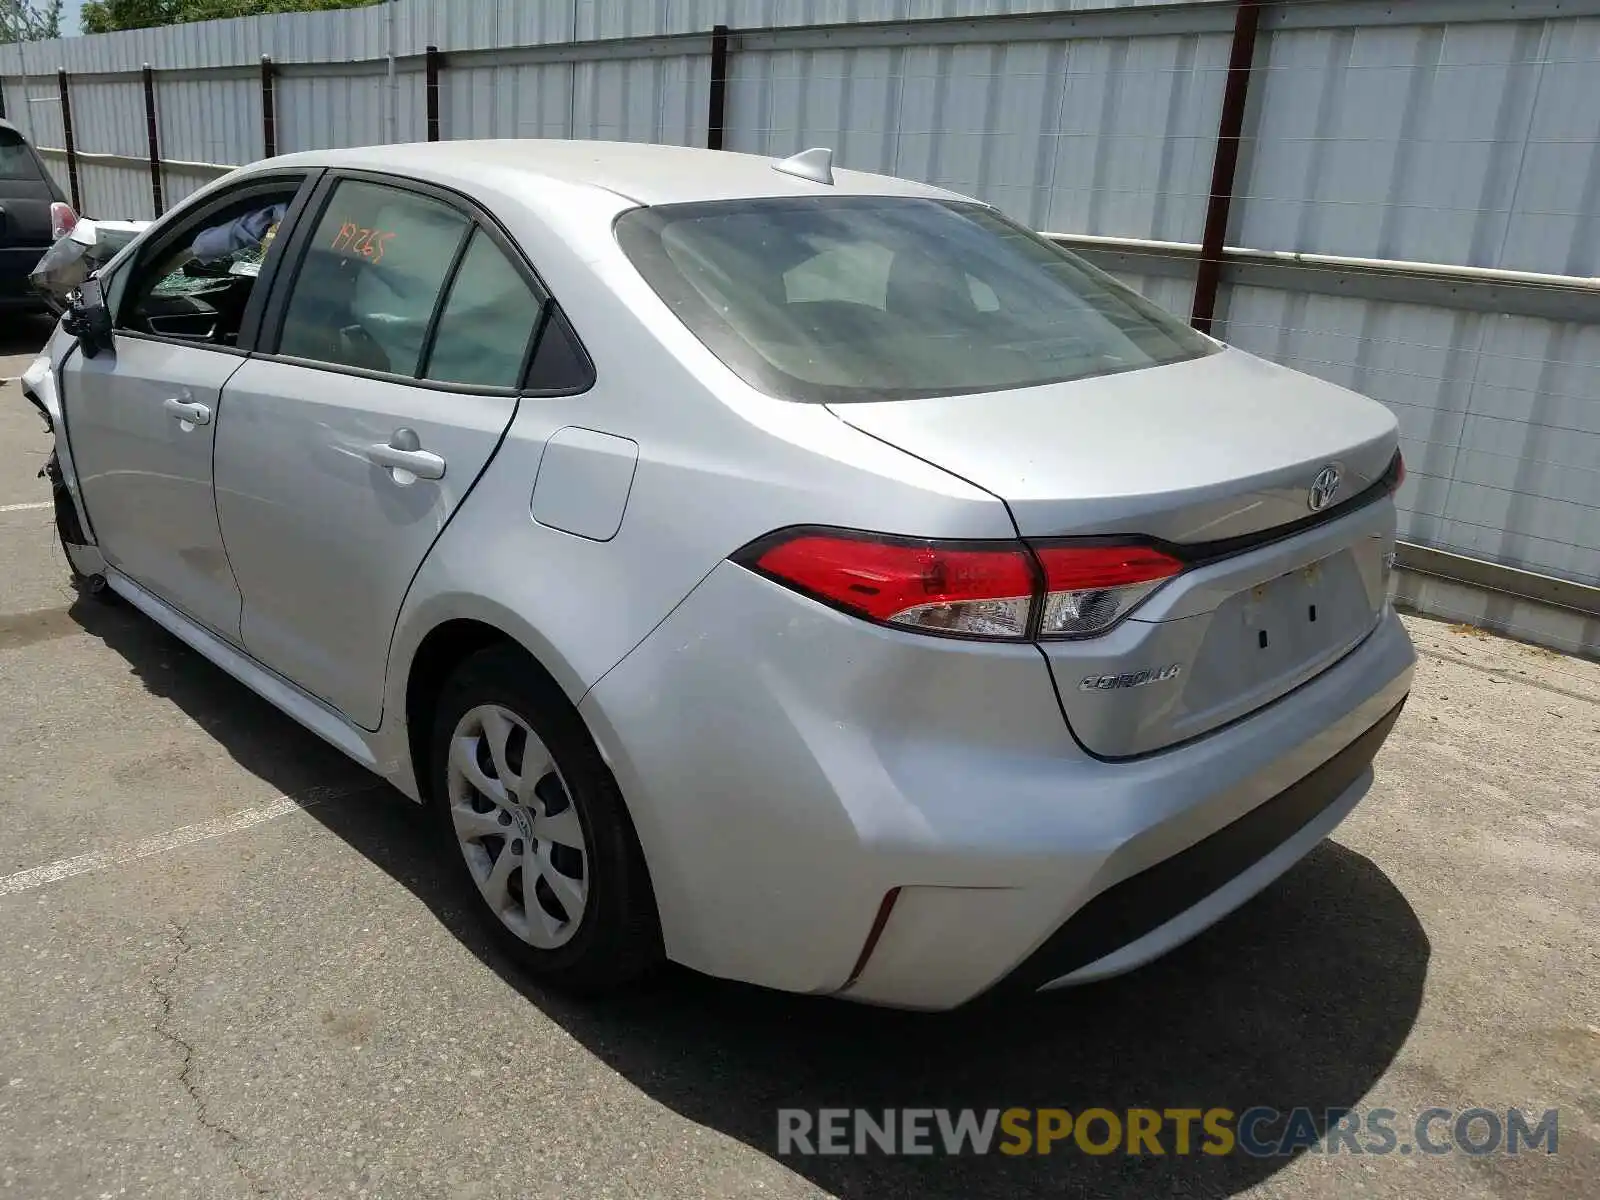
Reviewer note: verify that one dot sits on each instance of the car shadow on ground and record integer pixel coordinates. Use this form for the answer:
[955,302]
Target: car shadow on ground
[1302,998]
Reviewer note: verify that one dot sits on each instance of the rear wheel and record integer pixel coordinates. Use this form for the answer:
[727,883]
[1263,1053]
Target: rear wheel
[535,826]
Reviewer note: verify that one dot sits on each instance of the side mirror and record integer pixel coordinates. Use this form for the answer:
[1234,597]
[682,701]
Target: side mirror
[88,320]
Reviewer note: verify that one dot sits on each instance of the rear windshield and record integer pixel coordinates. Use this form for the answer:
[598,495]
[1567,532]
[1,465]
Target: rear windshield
[16,160]
[878,298]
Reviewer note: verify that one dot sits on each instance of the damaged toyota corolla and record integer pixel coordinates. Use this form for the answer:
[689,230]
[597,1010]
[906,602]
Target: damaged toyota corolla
[810,577]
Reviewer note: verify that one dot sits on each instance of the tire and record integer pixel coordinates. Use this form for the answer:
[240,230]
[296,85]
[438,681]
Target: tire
[590,923]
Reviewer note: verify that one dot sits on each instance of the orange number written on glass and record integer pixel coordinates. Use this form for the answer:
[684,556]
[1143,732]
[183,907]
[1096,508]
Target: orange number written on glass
[358,239]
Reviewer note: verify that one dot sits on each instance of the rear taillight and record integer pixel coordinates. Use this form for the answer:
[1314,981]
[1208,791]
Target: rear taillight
[962,589]
[62,220]
[990,590]
[1396,474]
[1088,589]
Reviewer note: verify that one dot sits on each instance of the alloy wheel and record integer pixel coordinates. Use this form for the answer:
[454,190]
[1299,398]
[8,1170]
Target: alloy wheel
[517,826]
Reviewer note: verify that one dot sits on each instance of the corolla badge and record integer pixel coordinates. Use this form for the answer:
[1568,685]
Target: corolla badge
[1323,488]
[1129,679]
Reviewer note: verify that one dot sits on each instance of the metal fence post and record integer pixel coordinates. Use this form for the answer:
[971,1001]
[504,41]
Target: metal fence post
[269,122]
[1246,21]
[717,112]
[66,132]
[152,137]
[432,61]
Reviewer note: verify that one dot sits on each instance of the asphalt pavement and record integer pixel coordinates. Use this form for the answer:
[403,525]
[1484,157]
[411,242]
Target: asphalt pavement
[230,966]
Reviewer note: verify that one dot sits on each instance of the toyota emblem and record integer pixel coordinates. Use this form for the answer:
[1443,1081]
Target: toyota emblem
[1323,488]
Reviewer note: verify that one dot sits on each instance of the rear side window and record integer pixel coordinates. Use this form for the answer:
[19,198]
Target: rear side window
[371,279]
[399,282]
[16,160]
[874,298]
[487,322]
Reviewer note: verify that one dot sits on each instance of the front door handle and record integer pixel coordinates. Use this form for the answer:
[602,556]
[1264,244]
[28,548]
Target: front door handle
[192,413]
[403,452]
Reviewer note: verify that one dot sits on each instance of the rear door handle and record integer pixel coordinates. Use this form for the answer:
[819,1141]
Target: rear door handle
[179,410]
[403,452]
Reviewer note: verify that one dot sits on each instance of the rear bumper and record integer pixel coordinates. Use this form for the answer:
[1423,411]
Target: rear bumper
[1162,906]
[787,767]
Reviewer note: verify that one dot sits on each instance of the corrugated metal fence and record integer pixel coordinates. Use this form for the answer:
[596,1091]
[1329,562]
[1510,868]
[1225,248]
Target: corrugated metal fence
[1415,211]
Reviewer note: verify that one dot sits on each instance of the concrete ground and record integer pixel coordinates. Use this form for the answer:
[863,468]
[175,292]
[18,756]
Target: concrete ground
[208,990]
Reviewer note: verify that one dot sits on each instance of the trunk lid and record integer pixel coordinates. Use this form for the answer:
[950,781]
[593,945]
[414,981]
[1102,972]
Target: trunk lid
[1217,455]
[1200,451]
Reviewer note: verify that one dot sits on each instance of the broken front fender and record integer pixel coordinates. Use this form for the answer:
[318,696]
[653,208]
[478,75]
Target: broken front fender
[41,384]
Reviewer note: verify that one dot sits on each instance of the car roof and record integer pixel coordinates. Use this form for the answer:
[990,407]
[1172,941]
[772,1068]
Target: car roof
[10,128]
[637,171]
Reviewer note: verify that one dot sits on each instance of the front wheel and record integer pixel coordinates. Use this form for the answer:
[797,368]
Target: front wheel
[69,532]
[535,827]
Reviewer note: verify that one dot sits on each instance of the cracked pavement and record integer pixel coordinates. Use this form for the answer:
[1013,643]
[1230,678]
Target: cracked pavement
[162,983]
[292,1004]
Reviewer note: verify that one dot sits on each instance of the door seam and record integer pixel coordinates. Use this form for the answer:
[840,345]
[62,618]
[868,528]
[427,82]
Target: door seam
[388,658]
[216,507]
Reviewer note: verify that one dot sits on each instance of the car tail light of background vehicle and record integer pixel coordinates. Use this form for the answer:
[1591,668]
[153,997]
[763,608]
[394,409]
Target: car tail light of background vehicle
[1005,591]
[62,220]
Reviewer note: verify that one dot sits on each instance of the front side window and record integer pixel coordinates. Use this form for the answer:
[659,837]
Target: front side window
[879,298]
[16,160]
[196,282]
[373,272]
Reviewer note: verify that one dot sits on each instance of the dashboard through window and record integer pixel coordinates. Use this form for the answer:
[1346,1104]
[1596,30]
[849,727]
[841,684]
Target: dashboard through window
[197,287]
[878,298]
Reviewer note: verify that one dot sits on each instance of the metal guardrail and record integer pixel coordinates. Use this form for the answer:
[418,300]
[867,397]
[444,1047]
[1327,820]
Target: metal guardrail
[1548,590]
[92,157]
[1471,289]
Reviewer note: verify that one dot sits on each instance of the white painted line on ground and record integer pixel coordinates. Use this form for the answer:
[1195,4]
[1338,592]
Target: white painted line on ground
[5,508]
[245,818]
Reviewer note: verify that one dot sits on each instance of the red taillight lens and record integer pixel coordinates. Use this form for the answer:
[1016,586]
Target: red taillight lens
[1090,588]
[62,220]
[965,589]
[959,589]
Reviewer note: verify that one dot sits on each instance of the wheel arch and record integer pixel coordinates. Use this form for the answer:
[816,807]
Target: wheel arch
[443,647]
[441,650]
[501,662]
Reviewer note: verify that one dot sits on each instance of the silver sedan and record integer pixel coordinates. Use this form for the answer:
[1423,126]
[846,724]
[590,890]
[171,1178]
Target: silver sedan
[810,577]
